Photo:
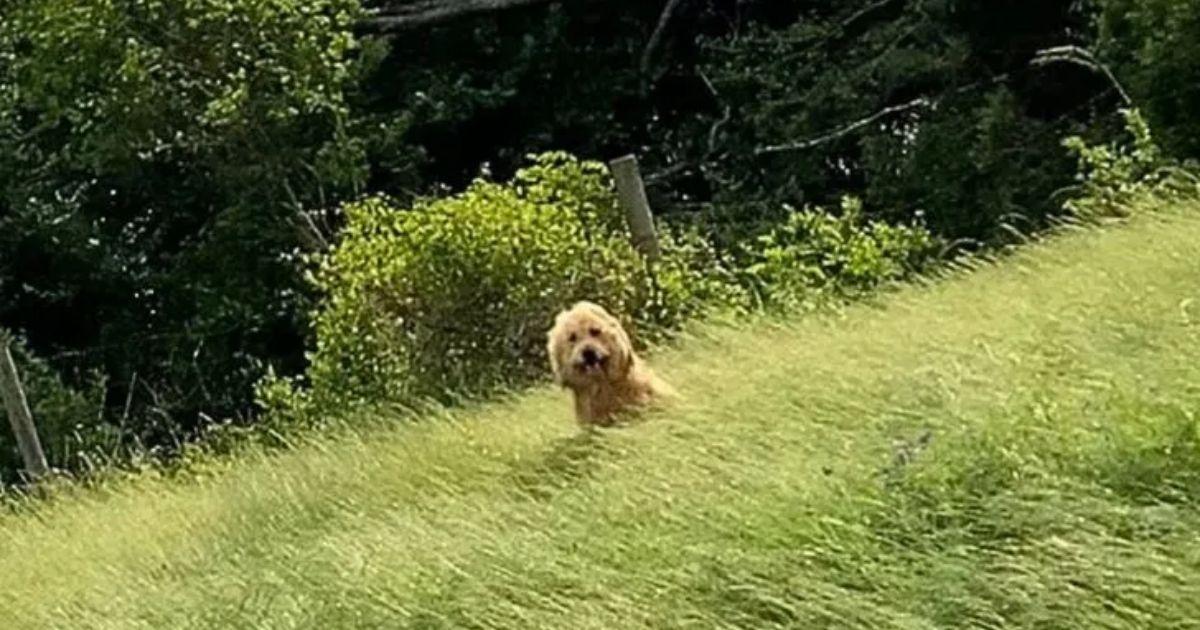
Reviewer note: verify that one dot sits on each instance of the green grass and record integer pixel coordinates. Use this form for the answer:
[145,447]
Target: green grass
[1014,447]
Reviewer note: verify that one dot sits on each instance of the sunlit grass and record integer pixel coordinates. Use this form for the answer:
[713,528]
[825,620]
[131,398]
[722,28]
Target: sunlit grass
[1013,447]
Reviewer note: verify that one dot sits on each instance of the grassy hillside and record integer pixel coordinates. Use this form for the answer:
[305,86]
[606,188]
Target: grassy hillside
[1017,447]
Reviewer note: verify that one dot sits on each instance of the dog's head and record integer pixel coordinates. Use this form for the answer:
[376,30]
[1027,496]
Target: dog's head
[586,345]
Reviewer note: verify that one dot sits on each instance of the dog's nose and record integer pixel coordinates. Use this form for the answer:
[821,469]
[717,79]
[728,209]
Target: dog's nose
[590,357]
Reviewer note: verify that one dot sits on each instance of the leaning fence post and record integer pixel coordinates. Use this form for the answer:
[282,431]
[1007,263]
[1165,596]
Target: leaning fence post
[632,194]
[18,414]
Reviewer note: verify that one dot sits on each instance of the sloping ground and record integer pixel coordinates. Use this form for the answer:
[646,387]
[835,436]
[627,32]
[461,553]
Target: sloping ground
[1016,447]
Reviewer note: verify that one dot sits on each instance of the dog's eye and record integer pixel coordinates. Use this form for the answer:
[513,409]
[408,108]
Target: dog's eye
[595,332]
[572,338]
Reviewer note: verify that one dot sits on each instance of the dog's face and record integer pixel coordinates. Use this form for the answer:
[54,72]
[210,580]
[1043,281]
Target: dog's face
[587,345]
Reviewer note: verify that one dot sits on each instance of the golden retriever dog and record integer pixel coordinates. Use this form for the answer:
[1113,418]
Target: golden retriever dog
[591,355]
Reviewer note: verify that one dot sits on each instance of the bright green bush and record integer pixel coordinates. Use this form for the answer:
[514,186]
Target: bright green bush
[814,255]
[1111,177]
[454,295]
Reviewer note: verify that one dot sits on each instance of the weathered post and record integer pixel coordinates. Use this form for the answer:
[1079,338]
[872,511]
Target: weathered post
[631,192]
[18,414]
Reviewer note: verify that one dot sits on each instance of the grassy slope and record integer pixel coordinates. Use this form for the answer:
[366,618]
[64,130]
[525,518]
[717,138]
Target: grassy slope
[1060,488]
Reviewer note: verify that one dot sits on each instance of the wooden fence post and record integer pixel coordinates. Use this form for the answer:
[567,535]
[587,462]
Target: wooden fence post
[632,194]
[19,415]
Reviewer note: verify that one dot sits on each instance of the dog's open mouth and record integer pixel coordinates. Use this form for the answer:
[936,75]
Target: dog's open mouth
[590,362]
[588,368]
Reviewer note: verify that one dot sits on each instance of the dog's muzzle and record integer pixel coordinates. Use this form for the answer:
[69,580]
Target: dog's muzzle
[590,359]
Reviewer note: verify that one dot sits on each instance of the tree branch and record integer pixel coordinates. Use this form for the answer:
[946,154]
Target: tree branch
[714,133]
[845,130]
[424,13]
[1080,57]
[660,31]
[840,132]
[1059,54]
[856,19]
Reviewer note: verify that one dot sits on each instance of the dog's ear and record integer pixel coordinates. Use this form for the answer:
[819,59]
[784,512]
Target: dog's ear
[623,348]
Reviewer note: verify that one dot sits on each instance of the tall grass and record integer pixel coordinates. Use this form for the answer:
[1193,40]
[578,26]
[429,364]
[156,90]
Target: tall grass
[1014,447]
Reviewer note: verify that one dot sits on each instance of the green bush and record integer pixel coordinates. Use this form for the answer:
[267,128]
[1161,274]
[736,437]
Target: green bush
[454,295]
[815,255]
[69,421]
[1112,176]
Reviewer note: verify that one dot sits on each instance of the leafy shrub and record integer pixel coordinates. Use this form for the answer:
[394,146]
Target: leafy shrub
[68,420]
[1112,176]
[814,254]
[454,295]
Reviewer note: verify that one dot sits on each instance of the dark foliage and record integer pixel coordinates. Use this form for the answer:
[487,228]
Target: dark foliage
[1154,47]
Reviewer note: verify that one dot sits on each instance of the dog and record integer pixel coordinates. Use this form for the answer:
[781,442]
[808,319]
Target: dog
[591,355]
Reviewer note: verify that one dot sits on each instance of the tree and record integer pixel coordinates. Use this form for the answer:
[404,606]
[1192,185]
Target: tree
[1154,46]
[157,163]
[929,106]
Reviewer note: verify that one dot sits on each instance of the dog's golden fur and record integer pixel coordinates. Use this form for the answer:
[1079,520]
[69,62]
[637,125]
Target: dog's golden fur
[591,355]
